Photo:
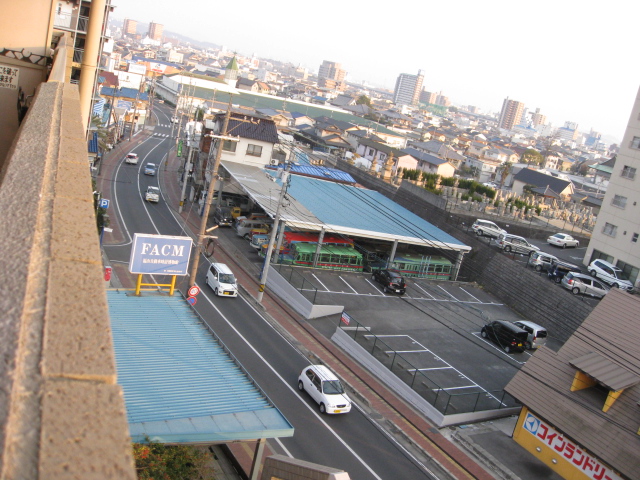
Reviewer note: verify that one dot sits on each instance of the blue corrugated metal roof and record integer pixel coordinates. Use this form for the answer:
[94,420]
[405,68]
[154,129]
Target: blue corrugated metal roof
[180,386]
[363,209]
[317,171]
[93,143]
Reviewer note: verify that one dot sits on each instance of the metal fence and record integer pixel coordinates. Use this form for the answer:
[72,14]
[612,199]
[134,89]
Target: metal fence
[437,395]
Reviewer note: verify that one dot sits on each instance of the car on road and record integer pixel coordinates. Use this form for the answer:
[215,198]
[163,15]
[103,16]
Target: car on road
[222,216]
[390,280]
[541,261]
[580,283]
[516,244]
[506,335]
[610,274]
[131,158]
[152,194]
[485,228]
[221,279]
[325,388]
[150,169]
[563,240]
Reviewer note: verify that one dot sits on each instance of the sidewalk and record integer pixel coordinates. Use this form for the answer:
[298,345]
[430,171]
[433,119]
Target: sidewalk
[479,451]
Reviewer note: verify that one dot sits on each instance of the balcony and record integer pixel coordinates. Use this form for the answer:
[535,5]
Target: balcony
[62,413]
[72,23]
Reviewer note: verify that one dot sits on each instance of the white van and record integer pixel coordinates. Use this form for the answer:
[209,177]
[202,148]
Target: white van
[537,334]
[244,226]
[220,278]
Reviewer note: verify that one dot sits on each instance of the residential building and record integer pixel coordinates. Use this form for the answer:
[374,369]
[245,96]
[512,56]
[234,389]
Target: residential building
[527,176]
[331,75]
[408,88]
[569,132]
[580,404]
[538,119]
[511,114]
[373,156]
[129,27]
[616,232]
[431,164]
[155,31]
[428,97]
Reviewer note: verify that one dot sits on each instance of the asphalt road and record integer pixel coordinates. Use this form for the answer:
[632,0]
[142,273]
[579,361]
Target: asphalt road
[354,442]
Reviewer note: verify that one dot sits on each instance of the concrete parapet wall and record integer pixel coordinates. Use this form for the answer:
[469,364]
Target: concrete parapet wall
[287,468]
[62,414]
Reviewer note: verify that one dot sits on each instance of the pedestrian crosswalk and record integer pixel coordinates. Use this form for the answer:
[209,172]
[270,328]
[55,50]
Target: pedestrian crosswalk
[161,135]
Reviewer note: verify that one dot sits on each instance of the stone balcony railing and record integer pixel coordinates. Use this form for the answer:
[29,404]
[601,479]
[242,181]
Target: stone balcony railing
[62,413]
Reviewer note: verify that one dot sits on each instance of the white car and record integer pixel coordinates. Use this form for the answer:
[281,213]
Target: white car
[563,240]
[610,274]
[491,185]
[131,158]
[487,229]
[152,194]
[150,169]
[325,388]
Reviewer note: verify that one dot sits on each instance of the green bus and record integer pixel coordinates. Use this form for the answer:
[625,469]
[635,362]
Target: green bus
[422,266]
[331,257]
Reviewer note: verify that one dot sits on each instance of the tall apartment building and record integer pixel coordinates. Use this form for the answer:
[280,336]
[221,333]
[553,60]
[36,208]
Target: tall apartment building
[443,100]
[569,132]
[511,114]
[331,75]
[428,97]
[129,27]
[408,88]
[538,119]
[615,237]
[155,31]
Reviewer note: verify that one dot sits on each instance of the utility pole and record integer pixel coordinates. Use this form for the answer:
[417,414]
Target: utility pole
[185,175]
[272,237]
[210,191]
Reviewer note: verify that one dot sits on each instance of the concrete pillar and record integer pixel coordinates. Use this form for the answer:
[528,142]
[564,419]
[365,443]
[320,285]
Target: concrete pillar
[257,459]
[90,59]
[393,253]
[317,255]
[456,267]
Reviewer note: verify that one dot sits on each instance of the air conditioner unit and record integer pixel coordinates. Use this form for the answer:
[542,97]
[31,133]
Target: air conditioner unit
[273,161]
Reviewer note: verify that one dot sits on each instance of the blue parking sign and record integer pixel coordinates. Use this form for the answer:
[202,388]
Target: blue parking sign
[104,203]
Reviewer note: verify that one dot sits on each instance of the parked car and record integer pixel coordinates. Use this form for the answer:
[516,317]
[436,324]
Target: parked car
[257,241]
[491,185]
[222,216]
[150,169]
[559,269]
[174,119]
[325,388]
[541,261]
[506,335]
[131,158]
[487,229]
[537,335]
[580,283]
[152,194]
[390,280]
[610,274]
[516,244]
[563,240]
[220,278]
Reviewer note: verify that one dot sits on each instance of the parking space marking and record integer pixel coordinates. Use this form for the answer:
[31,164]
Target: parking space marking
[348,285]
[478,300]
[427,369]
[368,329]
[405,351]
[323,285]
[456,388]
[425,291]
[440,286]
[491,344]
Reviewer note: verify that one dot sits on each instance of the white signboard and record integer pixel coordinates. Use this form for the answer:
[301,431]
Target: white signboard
[9,77]
[138,68]
[160,254]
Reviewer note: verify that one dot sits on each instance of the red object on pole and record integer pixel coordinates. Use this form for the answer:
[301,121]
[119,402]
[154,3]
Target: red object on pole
[107,273]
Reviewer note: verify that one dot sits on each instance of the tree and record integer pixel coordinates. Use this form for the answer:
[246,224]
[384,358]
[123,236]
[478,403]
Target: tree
[99,128]
[505,170]
[157,461]
[532,156]
[363,100]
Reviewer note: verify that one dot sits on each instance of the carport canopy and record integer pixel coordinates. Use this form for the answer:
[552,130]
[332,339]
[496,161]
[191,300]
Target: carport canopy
[316,204]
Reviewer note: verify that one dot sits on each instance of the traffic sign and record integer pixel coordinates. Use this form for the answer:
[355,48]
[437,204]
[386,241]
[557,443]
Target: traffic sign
[193,291]
[104,203]
[191,300]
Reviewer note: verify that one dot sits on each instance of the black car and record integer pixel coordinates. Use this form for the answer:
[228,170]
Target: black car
[559,269]
[506,335]
[390,280]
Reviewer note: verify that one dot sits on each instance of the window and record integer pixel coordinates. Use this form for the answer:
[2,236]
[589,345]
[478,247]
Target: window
[610,229]
[635,143]
[628,172]
[254,150]
[229,146]
[634,239]
[619,201]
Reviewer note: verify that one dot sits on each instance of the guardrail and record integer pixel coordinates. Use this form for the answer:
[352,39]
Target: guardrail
[435,394]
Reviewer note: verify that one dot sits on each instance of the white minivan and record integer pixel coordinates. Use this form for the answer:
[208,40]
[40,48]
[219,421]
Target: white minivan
[244,226]
[220,278]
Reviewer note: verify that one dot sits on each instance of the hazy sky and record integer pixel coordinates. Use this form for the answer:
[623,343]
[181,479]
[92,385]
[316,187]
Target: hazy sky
[575,60]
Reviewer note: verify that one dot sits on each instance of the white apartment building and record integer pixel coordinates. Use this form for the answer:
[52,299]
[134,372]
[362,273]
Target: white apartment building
[408,88]
[615,235]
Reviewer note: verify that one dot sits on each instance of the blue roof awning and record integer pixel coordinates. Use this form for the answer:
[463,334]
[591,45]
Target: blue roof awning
[179,383]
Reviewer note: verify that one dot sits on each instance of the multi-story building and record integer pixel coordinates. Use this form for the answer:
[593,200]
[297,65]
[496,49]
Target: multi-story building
[511,114]
[615,237]
[538,119]
[155,31]
[408,88]
[569,132]
[129,27]
[428,97]
[331,75]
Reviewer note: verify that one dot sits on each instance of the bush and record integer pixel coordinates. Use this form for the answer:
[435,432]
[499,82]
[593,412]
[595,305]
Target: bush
[411,174]
[448,181]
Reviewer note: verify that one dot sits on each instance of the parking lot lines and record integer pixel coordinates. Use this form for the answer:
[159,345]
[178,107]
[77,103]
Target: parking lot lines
[448,293]
[424,291]
[348,284]
[476,299]
[320,282]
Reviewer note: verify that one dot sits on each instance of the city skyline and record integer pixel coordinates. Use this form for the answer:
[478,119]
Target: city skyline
[569,59]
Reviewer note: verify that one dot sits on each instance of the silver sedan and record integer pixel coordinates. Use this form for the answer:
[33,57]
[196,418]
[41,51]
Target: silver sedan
[563,240]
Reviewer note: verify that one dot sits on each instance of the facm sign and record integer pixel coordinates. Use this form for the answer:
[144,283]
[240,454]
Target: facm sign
[160,254]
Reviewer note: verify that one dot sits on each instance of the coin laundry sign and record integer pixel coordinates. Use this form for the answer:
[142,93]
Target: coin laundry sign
[160,254]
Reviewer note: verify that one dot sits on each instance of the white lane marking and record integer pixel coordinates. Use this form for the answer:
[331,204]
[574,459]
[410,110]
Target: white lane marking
[429,369]
[144,202]
[298,395]
[417,285]
[405,351]
[470,295]
[348,285]
[491,344]
[456,388]
[323,285]
[439,286]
